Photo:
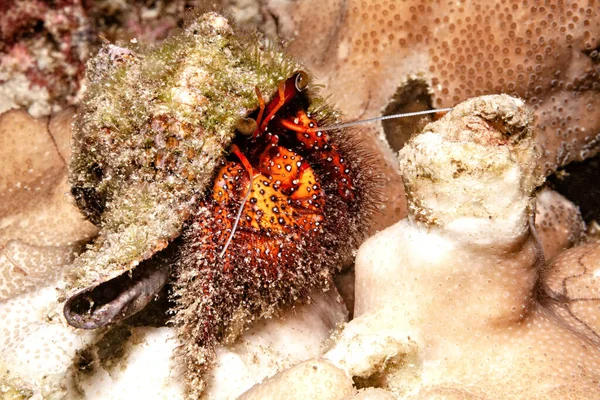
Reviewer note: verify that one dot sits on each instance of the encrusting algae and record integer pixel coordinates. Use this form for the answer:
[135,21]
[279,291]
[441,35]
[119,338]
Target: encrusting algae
[286,207]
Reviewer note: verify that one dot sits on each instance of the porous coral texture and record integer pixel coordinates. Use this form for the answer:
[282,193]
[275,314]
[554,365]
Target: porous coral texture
[466,301]
[371,394]
[308,380]
[571,290]
[40,231]
[542,51]
[558,223]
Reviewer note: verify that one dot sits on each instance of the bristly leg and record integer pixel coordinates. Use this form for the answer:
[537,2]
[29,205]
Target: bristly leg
[303,215]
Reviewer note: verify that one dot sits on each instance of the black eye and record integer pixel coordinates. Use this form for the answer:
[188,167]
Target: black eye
[301,80]
[246,126]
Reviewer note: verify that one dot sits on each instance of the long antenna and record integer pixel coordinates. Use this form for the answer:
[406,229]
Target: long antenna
[319,129]
[236,150]
[237,219]
[382,118]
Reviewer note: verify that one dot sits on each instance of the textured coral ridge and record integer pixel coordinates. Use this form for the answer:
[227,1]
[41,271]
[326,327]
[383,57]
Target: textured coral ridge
[305,212]
[462,163]
[545,52]
[152,127]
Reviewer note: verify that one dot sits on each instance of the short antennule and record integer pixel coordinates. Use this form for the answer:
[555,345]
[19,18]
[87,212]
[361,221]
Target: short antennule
[382,118]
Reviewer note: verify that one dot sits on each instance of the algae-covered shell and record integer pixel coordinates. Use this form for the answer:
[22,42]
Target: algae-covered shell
[153,125]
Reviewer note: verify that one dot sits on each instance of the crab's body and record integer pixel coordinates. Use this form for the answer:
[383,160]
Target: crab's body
[266,233]
[284,209]
[153,127]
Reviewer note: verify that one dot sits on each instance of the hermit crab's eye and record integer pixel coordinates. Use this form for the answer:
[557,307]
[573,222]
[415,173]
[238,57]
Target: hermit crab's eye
[246,126]
[301,81]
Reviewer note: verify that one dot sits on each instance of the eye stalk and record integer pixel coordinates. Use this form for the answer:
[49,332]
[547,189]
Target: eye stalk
[246,126]
[301,80]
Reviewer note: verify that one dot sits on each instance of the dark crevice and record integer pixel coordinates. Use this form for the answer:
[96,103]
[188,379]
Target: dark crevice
[578,182]
[411,96]
[48,121]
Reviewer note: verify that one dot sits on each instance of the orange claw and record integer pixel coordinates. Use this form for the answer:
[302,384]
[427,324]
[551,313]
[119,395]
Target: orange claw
[294,127]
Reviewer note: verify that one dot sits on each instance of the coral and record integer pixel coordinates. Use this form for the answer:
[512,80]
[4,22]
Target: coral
[39,230]
[492,279]
[40,233]
[541,51]
[570,288]
[371,394]
[308,380]
[558,222]
[43,48]
[453,301]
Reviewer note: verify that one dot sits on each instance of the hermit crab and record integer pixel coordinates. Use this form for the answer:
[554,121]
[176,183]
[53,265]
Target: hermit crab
[203,164]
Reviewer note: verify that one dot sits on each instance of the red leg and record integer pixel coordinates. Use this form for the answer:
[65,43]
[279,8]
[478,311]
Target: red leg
[294,127]
[236,150]
[280,102]
[286,91]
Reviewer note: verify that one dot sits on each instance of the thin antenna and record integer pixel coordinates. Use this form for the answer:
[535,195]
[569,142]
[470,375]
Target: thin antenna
[382,118]
[237,218]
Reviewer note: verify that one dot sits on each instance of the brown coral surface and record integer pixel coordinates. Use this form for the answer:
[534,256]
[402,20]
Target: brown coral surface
[40,230]
[543,51]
